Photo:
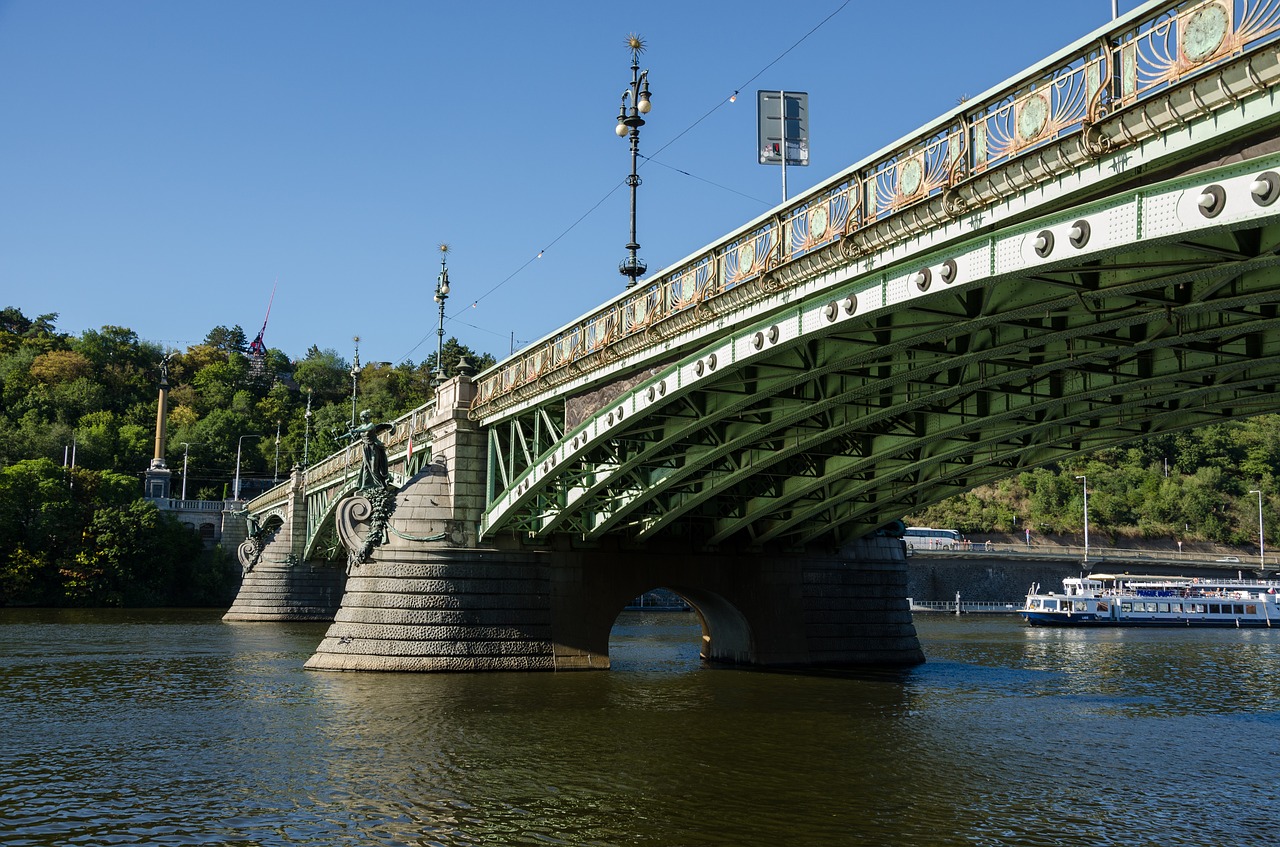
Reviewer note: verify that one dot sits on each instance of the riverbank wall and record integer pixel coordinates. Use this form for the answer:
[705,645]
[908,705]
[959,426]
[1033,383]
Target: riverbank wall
[1006,577]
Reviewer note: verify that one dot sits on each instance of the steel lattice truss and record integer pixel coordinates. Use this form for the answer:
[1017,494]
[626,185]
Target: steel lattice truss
[1142,314]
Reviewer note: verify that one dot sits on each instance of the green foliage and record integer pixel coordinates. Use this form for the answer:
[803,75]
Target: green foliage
[125,558]
[324,374]
[1132,494]
[17,330]
[216,384]
[82,535]
[228,341]
[453,351]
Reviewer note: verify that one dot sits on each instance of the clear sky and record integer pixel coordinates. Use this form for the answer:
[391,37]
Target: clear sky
[165,163]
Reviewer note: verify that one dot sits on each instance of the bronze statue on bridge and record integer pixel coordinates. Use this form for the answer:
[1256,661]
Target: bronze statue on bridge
[374,473]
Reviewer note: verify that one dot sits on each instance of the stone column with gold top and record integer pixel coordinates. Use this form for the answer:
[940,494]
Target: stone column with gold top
[156,485]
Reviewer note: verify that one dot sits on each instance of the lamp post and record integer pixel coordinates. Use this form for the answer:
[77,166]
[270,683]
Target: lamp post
[635,102]
[239,445]
[186,446]
[442,294]
[355,372]
[1086,516]
[275,476]
[306,437]
[1262,553]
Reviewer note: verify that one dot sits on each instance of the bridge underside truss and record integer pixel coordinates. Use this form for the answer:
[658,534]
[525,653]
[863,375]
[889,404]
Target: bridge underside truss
[847,411]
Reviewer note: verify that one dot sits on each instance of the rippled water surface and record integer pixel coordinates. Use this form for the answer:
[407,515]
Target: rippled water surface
[175,728]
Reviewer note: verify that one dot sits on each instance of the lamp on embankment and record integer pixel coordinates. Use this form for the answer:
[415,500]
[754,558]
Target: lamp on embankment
[635,102]
[186,447]
[1262,553]
[239,445]
[1086,517]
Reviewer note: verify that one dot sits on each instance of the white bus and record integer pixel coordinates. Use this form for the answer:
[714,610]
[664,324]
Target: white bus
[928,538]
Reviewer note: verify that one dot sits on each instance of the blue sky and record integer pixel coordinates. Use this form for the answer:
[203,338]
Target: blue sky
[164,164]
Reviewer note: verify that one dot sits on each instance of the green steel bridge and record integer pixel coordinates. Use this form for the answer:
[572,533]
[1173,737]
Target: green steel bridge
[1082,256]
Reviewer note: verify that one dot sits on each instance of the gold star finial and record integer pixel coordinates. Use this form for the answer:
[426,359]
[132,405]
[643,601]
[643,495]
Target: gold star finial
[635,43]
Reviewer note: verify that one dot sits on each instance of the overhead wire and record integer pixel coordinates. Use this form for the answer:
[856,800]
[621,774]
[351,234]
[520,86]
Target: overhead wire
[730,99]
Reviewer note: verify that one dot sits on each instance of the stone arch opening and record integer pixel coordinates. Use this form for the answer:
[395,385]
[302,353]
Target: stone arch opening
[681,628]
[271,525]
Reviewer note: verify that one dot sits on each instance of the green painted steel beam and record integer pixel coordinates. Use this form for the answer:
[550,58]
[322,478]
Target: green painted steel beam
[845,423]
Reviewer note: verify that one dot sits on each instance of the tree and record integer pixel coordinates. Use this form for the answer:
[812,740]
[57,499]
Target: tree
[44,510]
[228,341]
[17,330]
[127,367]
[325,374]
[453,351]
[216,384]
[60,366]
[125,555]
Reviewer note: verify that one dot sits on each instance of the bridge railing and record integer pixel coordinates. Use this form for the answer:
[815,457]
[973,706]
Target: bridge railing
[345,462]
[1131,61]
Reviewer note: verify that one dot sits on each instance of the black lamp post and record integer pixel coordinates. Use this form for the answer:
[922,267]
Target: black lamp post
[442,294]
[635,102]
[355,374]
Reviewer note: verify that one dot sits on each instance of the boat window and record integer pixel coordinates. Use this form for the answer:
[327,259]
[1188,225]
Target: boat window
[1213,608]
[1051,604]
[1126,607]
[1198,608]
[1164,607]
[1238,608]
[1177,607]
[1251,609]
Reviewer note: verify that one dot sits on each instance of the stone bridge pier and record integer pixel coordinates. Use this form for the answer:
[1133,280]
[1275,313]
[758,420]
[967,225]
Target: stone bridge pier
[476,609]
[276,583]
[423,595]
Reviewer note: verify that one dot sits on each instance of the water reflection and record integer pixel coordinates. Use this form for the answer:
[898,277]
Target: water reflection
[176,728]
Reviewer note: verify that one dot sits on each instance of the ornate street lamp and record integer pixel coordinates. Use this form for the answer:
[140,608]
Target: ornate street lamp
[306,438]
[442,294]
[635,102]
[355,372]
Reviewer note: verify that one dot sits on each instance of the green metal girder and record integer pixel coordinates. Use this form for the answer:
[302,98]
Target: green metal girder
[840,431]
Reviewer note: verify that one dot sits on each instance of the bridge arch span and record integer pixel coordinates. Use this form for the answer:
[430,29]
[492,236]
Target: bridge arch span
[854,404]
[726,636]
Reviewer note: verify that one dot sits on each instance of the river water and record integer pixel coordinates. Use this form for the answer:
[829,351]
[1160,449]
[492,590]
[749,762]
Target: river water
[174,728]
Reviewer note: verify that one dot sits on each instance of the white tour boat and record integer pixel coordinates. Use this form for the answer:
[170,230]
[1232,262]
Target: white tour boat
[1111,600]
